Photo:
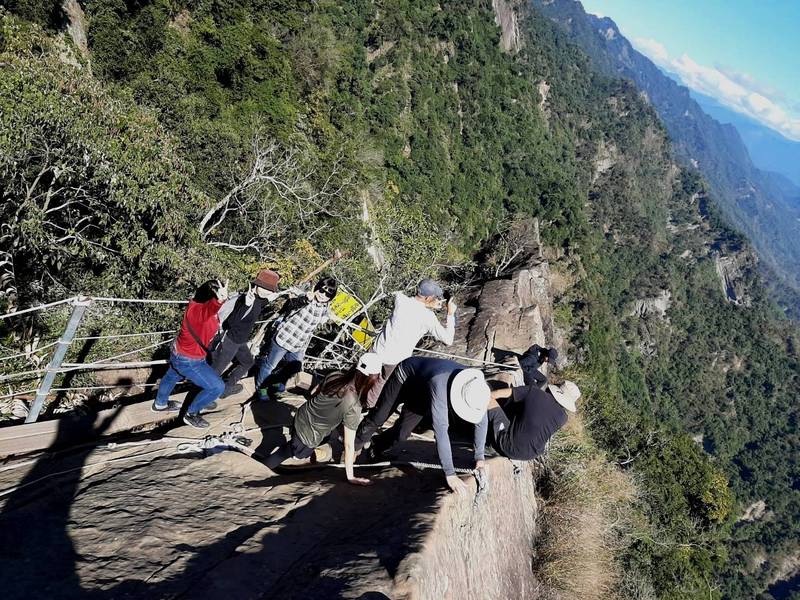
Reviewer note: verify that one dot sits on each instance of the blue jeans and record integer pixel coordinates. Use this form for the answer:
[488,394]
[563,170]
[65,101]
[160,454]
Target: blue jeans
[196,370]
[277,353]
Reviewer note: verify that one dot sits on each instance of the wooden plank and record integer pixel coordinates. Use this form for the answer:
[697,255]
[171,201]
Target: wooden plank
[57,433]
[33,437]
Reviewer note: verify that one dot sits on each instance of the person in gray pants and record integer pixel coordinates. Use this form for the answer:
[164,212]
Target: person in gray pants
[238,317]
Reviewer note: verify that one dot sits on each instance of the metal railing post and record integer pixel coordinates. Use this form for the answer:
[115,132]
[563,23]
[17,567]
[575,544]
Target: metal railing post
[54,366]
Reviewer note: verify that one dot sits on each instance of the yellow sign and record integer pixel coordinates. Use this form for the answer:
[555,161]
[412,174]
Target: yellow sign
[345,306]
[365,335]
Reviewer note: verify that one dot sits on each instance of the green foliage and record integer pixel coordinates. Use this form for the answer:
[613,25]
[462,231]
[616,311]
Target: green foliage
[446,140]
[95,198]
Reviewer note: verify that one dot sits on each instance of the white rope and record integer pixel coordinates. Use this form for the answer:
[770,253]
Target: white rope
[138,300]
[125,365]
[19,393]
[35,308]
[77,366]
[8,491]
[444,354]
[22,373]
[477,360]
[21,354]
[103,387]
[122,335]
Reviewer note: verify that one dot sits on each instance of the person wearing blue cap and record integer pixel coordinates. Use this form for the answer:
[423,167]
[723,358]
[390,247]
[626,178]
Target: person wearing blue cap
[411,320]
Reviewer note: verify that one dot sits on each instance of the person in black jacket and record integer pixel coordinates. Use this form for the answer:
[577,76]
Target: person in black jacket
[238,320]
[532,361]
[523,419]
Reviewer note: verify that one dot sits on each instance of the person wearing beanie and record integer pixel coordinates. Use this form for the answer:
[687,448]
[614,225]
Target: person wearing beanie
[411,320]
[293,335]
[188,355]
[341,397]
[526,417]
[238,316]
[532,361]
[430,387]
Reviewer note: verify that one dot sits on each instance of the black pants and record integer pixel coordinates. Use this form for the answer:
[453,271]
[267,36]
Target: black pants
[388,402]
[292,447]
[226,352]
[410,417]
[499,423]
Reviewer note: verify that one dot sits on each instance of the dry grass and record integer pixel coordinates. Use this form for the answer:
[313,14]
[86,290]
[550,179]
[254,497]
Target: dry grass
[587,508]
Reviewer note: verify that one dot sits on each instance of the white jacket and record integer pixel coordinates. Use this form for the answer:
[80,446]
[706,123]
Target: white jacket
[411,320]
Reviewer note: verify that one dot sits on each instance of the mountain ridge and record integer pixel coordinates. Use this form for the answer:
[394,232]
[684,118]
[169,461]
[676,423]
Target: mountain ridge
[752,199]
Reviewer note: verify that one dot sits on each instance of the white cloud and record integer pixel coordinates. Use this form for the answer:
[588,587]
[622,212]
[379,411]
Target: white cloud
[653,50]
[739,91]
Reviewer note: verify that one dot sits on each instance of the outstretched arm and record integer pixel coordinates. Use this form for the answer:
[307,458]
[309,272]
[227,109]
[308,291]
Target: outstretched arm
[349,457]
[446,333]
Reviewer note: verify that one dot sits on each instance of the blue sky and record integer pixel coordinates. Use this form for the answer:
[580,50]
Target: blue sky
[744,53]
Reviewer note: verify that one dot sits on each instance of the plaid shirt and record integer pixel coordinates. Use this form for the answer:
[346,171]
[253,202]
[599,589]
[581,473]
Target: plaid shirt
[294,333]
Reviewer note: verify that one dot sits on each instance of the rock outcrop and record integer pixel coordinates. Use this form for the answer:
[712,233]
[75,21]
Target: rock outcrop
[730,270]
[506,17]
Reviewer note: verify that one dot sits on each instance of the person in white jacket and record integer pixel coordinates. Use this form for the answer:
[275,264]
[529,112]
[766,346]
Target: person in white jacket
[411,320]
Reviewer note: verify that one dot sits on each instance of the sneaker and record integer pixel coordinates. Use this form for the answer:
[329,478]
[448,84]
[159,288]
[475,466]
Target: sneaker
[233,390]
[208,408]
[279,388]
[170,406]
[195,421]
[263,394]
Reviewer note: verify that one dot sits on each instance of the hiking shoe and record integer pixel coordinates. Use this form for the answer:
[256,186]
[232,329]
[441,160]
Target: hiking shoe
[170,406]
[278,388]
[263,394]
[233,390]
[208,408]
[195,421]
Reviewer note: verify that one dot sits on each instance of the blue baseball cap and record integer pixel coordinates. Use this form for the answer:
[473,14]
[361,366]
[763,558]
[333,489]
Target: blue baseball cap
[428,287]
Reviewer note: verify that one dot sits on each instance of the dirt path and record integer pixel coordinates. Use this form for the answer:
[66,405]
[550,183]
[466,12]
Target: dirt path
[160,524]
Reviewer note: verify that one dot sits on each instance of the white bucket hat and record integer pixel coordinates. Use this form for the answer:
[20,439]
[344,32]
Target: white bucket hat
[469,395]
[369,364]
[566,394]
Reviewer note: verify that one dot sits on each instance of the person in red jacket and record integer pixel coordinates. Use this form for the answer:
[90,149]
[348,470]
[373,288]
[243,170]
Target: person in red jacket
[188,356]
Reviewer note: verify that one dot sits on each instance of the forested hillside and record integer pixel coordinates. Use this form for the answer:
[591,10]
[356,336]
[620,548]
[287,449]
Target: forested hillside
[208,139]
[759,203]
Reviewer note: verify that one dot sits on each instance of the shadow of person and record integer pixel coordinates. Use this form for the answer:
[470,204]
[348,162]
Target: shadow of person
[36,551]
[69,377]
[271,417]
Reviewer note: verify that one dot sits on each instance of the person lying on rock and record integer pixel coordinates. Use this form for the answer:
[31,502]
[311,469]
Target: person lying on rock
[238,316]
[293,335]
[531,362]
[430,387]
[187,358]
[523,419]
[411,320]
[339,400]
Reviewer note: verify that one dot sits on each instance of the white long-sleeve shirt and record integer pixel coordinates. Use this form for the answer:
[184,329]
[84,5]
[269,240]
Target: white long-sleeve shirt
[411,320]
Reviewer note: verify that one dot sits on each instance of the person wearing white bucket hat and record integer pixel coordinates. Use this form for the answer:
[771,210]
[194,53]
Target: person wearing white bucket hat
[340,400]
[430,387]
[526,421]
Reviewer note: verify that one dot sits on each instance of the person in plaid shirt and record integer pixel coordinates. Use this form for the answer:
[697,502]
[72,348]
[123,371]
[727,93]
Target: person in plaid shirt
[294,335]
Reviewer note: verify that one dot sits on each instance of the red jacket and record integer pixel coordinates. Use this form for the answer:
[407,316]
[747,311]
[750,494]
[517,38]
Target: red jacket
[205,324]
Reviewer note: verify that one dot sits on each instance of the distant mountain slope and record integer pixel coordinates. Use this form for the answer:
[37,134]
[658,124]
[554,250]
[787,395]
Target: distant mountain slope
[754,200]
[768,149]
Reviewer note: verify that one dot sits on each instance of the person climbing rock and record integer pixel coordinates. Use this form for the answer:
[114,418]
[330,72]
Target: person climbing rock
[411,320]
[238,317]
[531,362]
[527,417]
[430,387]
[340,400]
[293,335]
[188,355]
